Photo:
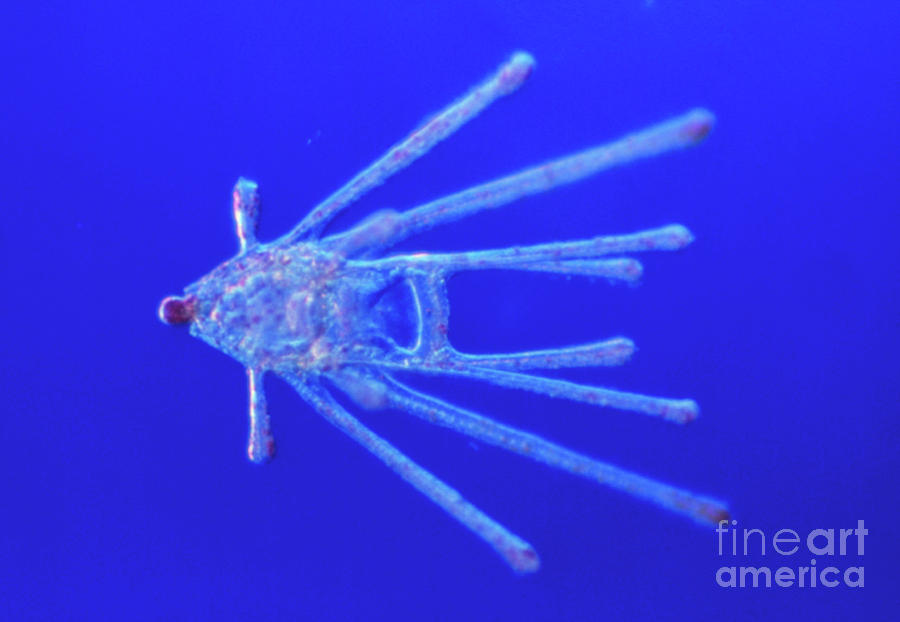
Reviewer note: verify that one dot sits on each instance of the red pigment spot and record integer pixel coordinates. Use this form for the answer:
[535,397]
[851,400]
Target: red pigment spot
[633,269]
[715,514]
[697,129]
[515,73]
[523,560]
[177,310]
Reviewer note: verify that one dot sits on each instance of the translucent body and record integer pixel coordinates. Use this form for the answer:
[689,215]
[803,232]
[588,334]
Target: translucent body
[311,309]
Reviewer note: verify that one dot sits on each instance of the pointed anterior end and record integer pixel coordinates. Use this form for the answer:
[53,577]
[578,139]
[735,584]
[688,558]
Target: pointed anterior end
[697,124]
[515,71]
[177,310]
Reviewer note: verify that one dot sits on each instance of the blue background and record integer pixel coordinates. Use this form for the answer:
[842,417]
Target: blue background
[126,494]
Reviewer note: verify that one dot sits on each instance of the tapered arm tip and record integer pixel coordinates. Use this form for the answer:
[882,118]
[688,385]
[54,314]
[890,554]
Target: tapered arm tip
[523,559]
[698,124]
[516,71]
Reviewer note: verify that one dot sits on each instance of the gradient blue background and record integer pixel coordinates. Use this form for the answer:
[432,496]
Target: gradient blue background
[126,494]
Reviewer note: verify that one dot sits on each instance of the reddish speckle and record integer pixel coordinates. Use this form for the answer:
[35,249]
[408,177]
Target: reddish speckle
[516,71]
[698,126]
[261,452]
[633,269]
[523,559]
[177,310]
[715,514]
[327,308]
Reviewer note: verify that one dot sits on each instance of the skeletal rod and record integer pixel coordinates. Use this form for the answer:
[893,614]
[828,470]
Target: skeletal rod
[577,257]
[260,443]
[676,133]
[245,209]
[621,269]
[504,81]
[674,410]
[606,353]
[518,554]
[397,395]
[609,352]
[670,237]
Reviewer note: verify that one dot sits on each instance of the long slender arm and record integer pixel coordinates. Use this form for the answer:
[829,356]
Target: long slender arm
[675,410]
[609,352]
[623,269]
[701,509]
[606,353]
[670,237]
[578,257]
[505,80]
[517,553]
[676,133]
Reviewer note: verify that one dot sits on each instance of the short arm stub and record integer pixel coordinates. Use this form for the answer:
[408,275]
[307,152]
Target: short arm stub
[260,443]
[245,206]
